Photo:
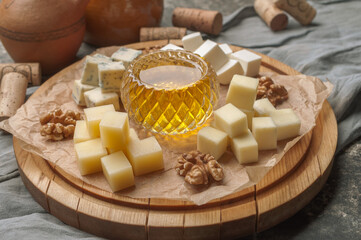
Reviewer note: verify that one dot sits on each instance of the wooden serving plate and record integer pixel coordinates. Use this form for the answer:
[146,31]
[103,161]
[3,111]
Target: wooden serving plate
[285,189]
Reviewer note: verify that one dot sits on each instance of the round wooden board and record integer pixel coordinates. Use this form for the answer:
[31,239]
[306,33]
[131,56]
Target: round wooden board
[285,189]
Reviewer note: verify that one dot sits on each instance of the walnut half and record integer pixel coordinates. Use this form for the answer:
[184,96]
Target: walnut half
[198,168]
[275,93]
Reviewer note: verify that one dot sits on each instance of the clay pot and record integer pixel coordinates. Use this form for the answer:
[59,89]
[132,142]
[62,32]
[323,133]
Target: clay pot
[46,31]
[117,22]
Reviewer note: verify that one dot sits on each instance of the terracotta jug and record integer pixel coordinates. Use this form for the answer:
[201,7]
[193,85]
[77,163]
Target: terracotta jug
[117,22]
[46,31]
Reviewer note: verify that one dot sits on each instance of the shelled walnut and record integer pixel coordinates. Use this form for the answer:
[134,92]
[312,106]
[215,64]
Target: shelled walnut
[275,93]
[151,49]
[198,168]
[57,125]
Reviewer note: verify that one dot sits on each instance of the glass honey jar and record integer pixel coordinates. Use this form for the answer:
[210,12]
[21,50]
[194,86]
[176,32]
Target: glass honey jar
[170,92]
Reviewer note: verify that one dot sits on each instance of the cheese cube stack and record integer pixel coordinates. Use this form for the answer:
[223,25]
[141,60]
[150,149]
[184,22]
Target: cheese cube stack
[110,76]
[228,70]
[171,46]
[78,92]
[93,116]
[231,120]
[245,148]
[90,72]
[212,141]
[96,97]
[250,62]
[114,130]
[81,133]
[192,41]
[126,55]
[265,132]
[145,156]
[118,171]
[88,154]
[213,53]
[263,107]
[287,122]
[242,92]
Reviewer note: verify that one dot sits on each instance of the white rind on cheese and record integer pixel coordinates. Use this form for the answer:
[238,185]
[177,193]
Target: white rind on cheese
[126,55]
[96,97]
[192,41]
[110,76]
[90,71]
[213,54]
[78,92]
[171,46]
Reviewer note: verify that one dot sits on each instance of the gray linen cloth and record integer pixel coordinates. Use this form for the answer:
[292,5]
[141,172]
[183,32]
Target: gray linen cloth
[330,49]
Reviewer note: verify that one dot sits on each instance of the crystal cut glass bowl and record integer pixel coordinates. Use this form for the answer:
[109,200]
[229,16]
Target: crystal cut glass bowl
[170,92]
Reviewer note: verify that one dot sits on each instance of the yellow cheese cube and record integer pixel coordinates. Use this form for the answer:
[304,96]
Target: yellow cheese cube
[231,120]
[250,115]
[145,156]
[242,92]
[212,141]
[88,154]
[265,132]
[93,116]
[114,130]
[263,107]
[81,133]
[245,148]
[96,97]
[78,92]
[132,137]
[118,171]
[287,122]
[250,62]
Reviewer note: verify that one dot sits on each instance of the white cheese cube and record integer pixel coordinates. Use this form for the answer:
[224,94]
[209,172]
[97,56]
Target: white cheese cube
[212,141]
[96,97]
[231,120]
[250,62]
[102,57]
[114,130]
[90,71]
[126,55]
[226,49]
[110,76]
[242,92]
[78,92]
[287,122]
[250,115]
[88,154]
[171,46]
[213,54]
[118,171]
[145,156]
[192,41]
[245,148]
[93,116]
[226,72]
[265,132]
[263,107]
[81,133]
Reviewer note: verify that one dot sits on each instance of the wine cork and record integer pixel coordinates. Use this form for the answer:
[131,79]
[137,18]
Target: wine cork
[12,93]
[198,20]
[30,70]
[160,33]
[303,12]
[274,17]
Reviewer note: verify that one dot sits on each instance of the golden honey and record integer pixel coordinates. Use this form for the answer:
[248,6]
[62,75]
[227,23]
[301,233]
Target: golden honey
[170,92]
